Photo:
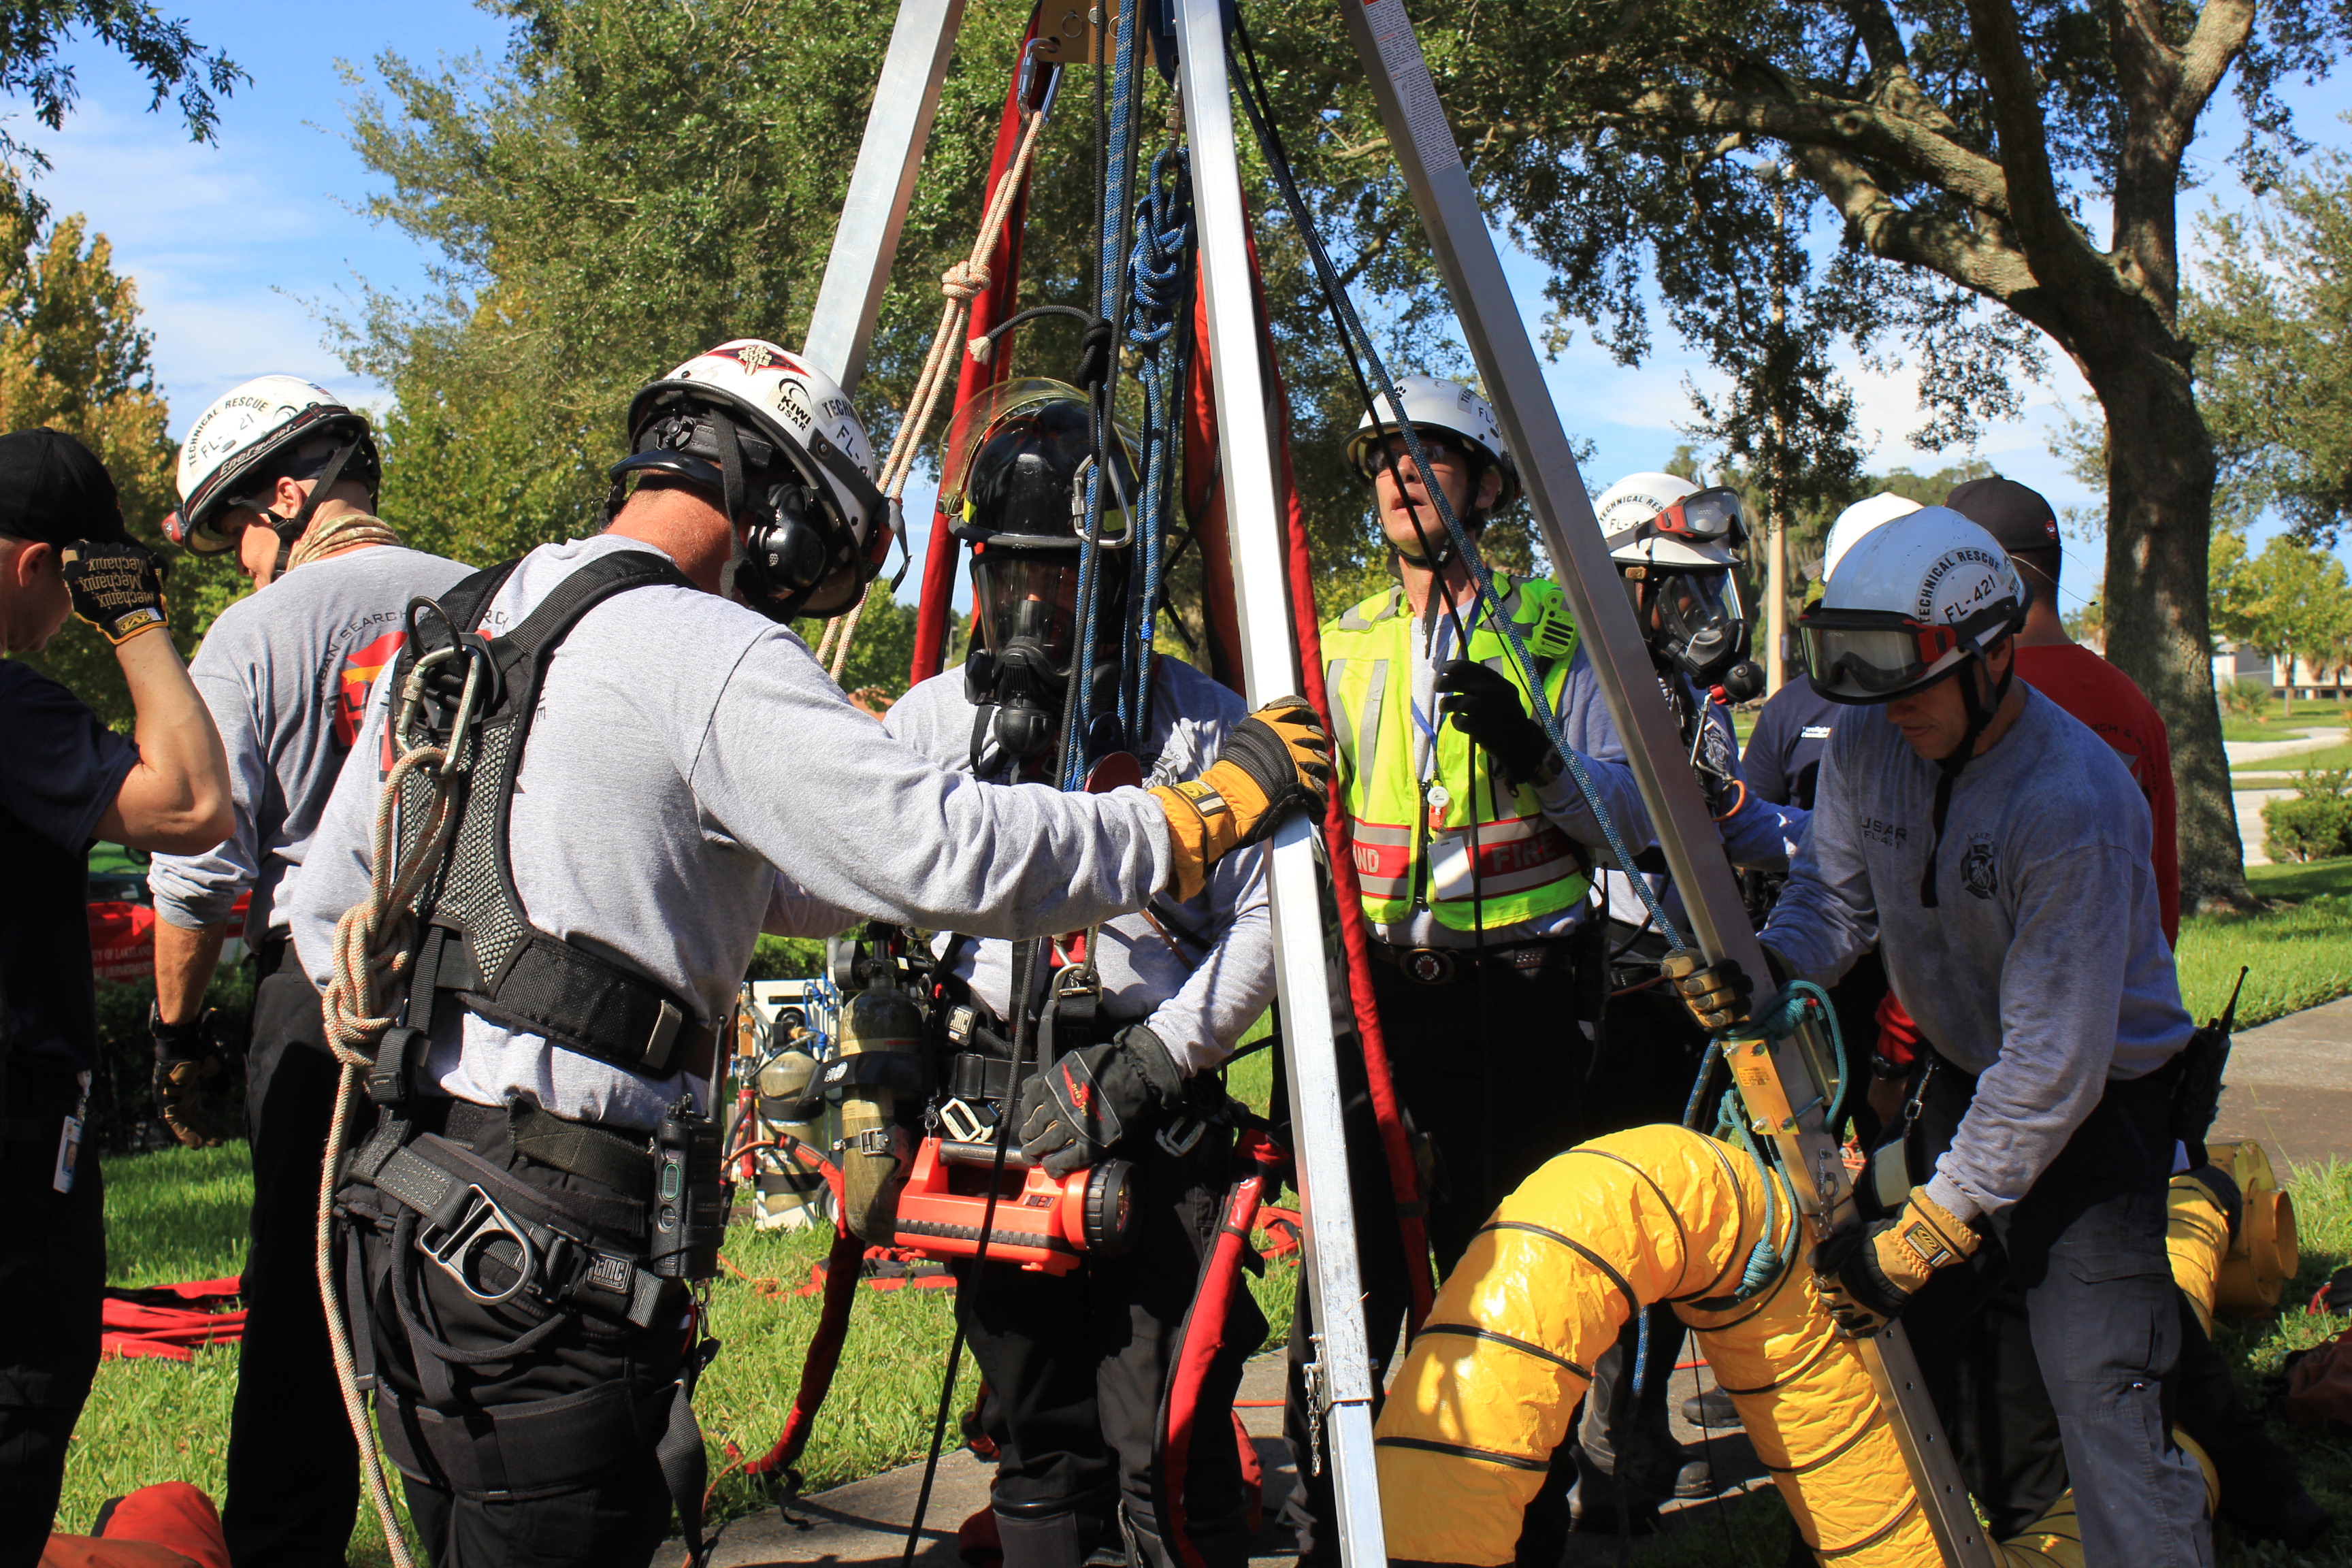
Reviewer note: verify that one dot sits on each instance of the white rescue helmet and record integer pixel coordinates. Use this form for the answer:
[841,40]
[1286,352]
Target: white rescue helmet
[1671,522]
[252,428]
[1858,520]
[780,442]
[1448,407]
[1907,605]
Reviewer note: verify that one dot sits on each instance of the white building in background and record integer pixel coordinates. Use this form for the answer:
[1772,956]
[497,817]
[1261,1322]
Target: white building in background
[2249,664]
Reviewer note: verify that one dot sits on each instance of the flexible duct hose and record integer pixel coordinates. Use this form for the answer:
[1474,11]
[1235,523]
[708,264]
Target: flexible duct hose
[2197,1235]
[1658,1214]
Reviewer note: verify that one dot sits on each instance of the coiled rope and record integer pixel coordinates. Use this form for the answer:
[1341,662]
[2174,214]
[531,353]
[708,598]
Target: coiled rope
[1155,271]
[370,947]
[961,284]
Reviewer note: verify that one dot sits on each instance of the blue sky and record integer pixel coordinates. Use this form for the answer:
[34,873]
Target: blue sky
[237,248]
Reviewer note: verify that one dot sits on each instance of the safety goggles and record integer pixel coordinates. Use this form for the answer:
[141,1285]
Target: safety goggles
[1862,657]
[1702,517]
[1373,459]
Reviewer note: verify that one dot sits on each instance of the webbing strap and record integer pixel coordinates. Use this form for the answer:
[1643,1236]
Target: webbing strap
[578,1000]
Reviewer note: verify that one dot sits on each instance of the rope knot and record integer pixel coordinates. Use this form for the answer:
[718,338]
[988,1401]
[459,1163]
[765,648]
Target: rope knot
[965,281]
[980,348]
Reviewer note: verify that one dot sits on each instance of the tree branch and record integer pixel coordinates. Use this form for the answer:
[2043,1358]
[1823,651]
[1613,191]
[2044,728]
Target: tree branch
[1850,128]
[2058,251]
[2222,29]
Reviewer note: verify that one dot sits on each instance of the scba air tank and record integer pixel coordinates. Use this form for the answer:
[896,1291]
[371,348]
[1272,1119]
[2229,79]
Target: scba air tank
[789,1195]
[876,1148]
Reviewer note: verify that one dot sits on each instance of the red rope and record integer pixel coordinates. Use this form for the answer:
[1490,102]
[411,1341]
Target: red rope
[1202,1337]
[1404,1176]
[824,1357]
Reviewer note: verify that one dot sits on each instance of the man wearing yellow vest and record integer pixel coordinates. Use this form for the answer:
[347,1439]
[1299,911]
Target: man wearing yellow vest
[1475,850]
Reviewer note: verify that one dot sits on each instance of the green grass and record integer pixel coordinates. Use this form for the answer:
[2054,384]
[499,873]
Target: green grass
[2256,1347]
[2279,723]
[2300,949]
[2296,761]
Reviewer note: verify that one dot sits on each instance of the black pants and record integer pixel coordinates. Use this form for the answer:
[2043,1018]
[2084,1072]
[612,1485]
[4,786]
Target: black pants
[52,1271]
[543,1458]
[293,1470]
[2083,1259]
[1078,1366]
[1497,1071]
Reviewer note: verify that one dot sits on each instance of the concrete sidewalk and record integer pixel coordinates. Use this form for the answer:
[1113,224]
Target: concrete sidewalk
[2289,1084]
[865,1522]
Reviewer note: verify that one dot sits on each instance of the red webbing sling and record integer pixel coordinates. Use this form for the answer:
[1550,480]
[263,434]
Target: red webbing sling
[1201,1338]
[993,305]
[1354,940]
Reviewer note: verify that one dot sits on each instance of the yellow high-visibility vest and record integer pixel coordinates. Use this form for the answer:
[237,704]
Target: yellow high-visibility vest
[1412,843]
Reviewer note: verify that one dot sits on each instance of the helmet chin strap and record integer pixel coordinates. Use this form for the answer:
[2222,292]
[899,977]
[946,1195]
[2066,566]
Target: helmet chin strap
[290,529]
[1947,770]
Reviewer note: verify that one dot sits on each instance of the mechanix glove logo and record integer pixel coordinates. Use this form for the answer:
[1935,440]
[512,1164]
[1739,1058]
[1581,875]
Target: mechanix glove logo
[1980,871]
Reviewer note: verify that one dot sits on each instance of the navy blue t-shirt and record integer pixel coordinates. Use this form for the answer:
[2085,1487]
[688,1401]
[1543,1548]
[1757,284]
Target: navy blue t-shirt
[1783,758]
[60,770]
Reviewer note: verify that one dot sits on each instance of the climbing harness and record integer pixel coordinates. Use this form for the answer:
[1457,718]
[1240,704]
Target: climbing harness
[442,917]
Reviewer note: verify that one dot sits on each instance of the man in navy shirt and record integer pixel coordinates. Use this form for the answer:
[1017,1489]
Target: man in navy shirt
[66,780]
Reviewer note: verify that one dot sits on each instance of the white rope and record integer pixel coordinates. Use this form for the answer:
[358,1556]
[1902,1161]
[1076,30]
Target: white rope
[369,949]
[961,283]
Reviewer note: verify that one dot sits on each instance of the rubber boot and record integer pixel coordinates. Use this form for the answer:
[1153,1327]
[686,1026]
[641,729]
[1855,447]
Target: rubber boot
[1054,1541]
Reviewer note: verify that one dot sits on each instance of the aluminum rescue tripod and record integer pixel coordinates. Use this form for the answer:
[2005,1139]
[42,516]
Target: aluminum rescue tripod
[1783,1088]
[881,186]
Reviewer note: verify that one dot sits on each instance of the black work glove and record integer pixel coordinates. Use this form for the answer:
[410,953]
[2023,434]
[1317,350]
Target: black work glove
[118,588]
[186,1056]
[1488,709]
[1072,1113]
[1868,1273]
[1717,993]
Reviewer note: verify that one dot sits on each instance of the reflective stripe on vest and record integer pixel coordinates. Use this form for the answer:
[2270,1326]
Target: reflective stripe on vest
[1406,856]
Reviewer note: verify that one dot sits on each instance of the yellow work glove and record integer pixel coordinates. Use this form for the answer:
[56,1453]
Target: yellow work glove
[1276,759]
[1867,1273]
[118,588]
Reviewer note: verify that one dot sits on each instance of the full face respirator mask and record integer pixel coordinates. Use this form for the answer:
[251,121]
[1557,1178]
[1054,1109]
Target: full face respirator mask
[1020,665]
[1699,624]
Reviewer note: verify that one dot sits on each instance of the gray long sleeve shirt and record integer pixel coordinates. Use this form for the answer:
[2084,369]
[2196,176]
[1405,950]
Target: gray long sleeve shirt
[1204,971]
[2043,971]
[692,777]
[286,673]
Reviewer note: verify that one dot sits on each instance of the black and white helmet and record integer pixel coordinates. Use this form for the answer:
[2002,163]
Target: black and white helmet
[780,443]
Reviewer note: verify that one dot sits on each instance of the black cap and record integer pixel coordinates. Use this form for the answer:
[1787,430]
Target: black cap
[54,490]
[2017,517]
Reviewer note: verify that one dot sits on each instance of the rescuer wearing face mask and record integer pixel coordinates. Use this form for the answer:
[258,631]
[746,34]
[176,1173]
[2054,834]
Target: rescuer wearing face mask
[1675,546]
[1078,1365]
[1488,971]
[1997,850]
[652,766]
[284,475]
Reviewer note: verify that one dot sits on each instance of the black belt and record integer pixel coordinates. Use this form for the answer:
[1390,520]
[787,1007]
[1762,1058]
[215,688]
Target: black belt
[611,1157]
[1445,965]
[973,1077]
